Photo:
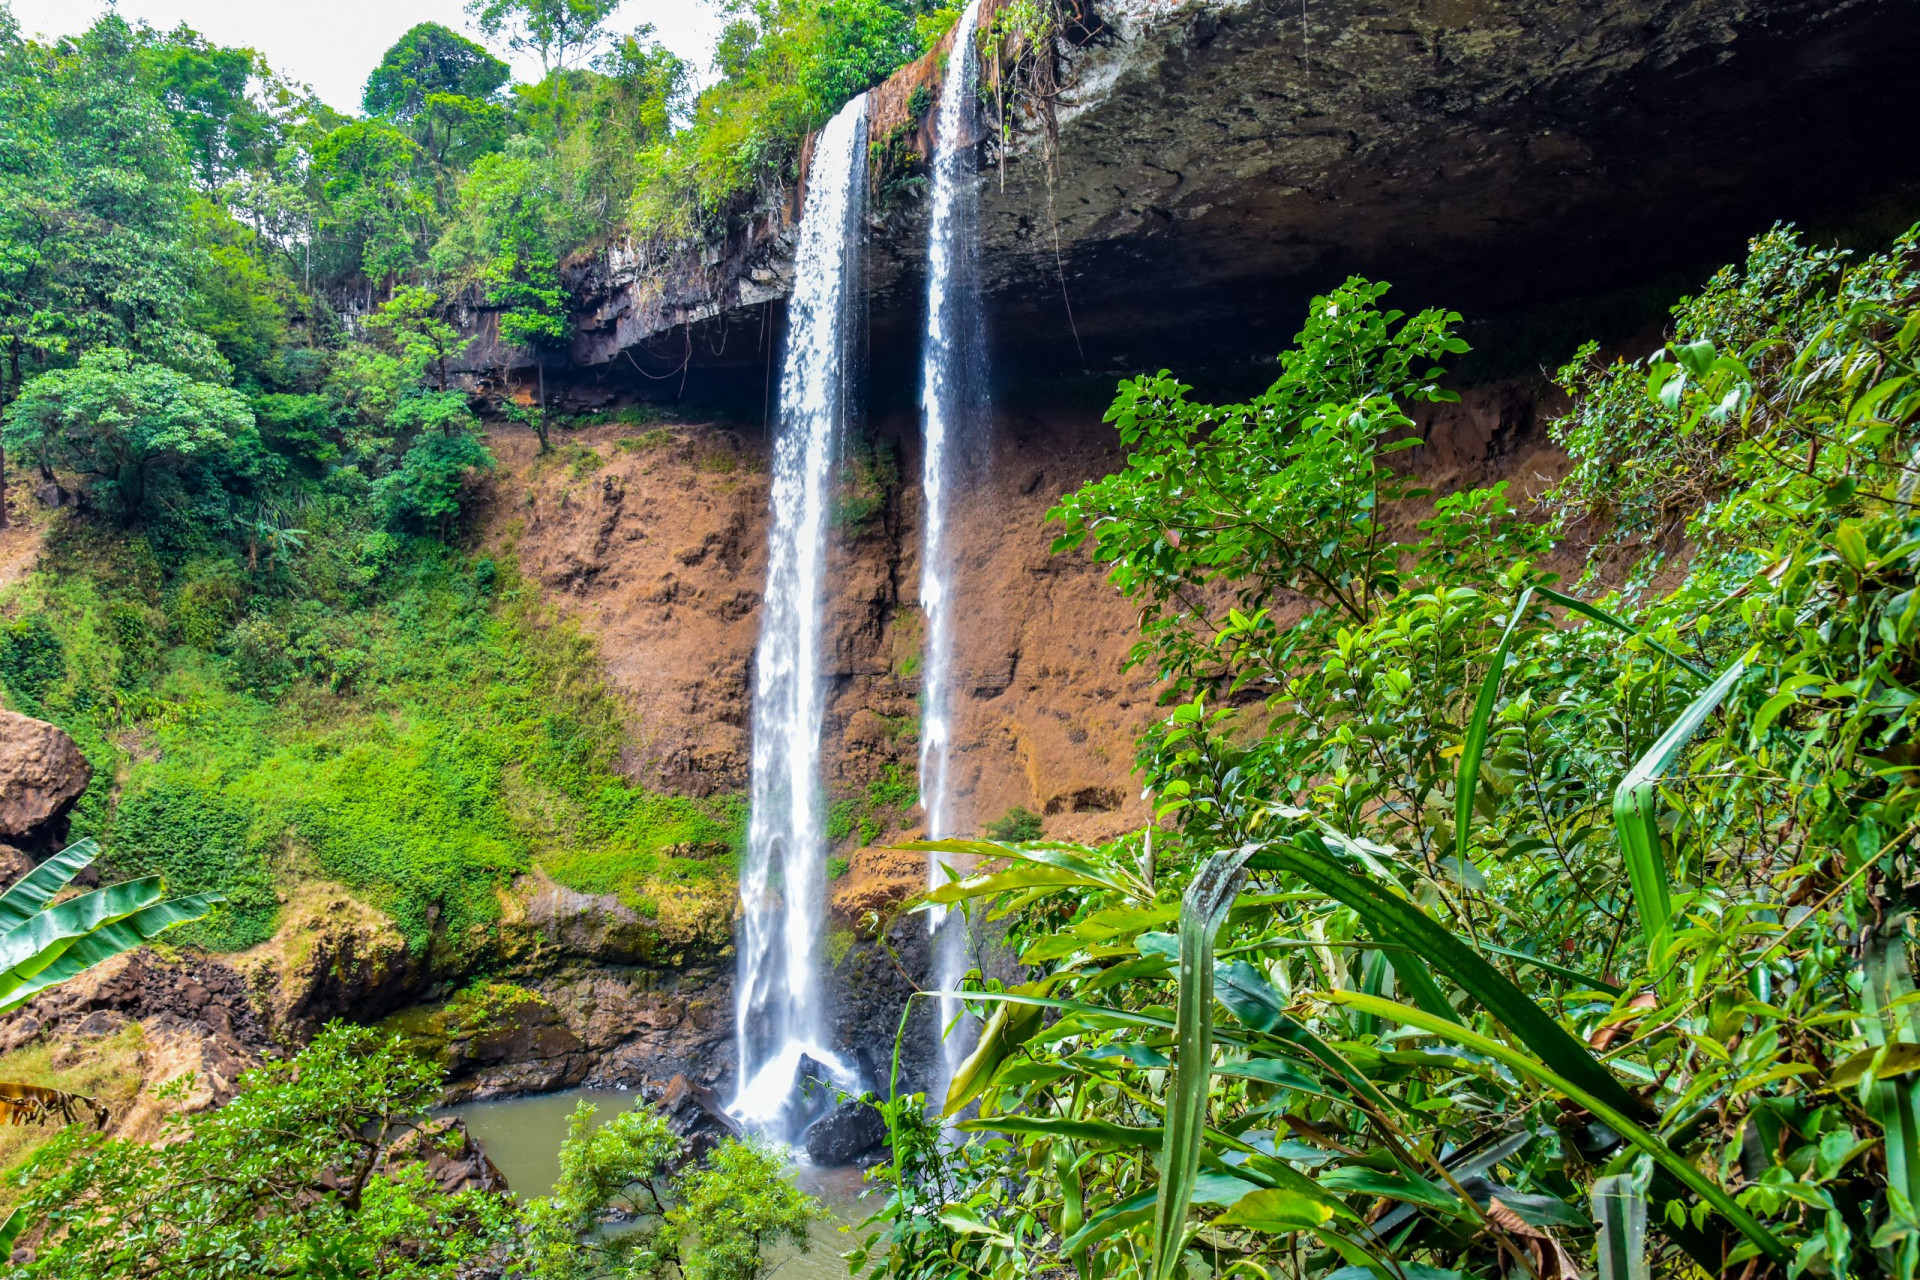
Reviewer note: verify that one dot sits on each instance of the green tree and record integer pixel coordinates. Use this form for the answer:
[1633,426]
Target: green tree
[120,420]
[441,87]
[712,1222]
[430,59]
[372,203]
[411,323]
[206,91]
[294,1177]
[561,33]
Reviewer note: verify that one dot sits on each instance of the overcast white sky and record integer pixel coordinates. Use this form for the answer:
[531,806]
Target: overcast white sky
[333,44]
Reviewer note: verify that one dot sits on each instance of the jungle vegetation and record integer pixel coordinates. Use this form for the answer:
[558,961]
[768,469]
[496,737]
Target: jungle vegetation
[1532,885]
[230,335]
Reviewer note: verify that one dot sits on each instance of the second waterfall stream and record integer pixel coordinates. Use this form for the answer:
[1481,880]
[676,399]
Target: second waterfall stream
[953,393]
[780,1011]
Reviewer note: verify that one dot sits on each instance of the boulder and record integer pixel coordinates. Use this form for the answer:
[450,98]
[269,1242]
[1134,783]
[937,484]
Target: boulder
[695,1114]
[453,1159]
[845,1133]
[41,774]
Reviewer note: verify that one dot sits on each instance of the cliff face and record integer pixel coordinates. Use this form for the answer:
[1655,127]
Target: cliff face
[654,539]
[1211,163]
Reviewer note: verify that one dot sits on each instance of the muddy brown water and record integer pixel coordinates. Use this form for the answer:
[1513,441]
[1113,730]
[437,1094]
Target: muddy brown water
[522,1137]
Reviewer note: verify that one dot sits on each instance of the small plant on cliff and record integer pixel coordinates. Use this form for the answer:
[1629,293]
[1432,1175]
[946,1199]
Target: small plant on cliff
[1016,826]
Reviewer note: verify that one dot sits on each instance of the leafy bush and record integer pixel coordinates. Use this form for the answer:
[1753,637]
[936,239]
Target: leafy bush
[31,659]
[1414,1016]
[200,840]
[1016,826]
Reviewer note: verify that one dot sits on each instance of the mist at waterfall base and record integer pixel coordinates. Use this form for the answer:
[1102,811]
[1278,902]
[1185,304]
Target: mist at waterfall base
[952,399]
[780,1013]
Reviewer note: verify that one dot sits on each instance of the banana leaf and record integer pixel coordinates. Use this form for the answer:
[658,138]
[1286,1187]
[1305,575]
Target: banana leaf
[33,891]
[105,943]
[28,948]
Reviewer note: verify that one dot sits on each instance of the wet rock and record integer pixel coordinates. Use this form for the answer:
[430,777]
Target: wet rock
[696,1115]
[525,1046]
[41,774]
[452,1158]
[849,1131]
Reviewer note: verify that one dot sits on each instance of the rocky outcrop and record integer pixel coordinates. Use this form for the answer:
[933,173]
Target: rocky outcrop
[1209,164]
[42,773]
[332,957]
[452,1159]
[697,1117]
[843,1135]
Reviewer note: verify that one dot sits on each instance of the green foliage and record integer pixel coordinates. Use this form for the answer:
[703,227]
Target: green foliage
[837,867]
[31,659]
[1016,826]
[420,742]
[201,840]
[787,66]
[714,1221]
[429,61]
[287,1179]
[124,422]
[1438,980]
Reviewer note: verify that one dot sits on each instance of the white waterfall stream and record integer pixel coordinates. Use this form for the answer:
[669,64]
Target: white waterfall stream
[779,1010]
[952,396]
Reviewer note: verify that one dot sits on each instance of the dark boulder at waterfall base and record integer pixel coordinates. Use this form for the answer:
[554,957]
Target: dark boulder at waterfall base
[846,1133]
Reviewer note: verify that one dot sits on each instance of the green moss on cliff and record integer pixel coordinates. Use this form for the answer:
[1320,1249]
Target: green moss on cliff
[421,740]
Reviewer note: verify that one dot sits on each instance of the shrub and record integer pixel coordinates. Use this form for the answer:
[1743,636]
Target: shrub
[1016,826]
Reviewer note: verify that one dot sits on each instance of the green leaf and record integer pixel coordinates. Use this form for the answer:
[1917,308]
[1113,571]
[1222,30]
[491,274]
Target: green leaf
[1620,1210]
[37,888]
[1475,746]
[1275,1211]
[1011,1026]
[1599,615]
[1636,815]
[1095,1131]
[1676,1165]
[1205,905]
[105,943]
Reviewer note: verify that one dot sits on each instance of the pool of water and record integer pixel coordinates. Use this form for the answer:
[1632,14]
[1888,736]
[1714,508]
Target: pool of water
[522,1137]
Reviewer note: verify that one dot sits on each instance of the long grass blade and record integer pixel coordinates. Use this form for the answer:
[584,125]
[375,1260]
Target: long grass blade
[1620,1212]
[1676,1165]
[1205,906]
[1599,615]
[1636,815]
[1475,746]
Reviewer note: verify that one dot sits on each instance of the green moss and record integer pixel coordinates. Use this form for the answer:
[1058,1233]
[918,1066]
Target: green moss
[839,943]
[646,440]
[420,738]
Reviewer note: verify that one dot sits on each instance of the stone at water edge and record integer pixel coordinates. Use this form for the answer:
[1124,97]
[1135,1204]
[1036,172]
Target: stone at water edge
[845,1133]
[694,1114]
[42,773]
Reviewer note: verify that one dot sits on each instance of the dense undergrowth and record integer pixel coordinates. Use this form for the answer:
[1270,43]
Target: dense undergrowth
[421,737]
[1493,925]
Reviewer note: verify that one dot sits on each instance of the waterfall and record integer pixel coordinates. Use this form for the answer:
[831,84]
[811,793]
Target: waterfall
[780,1016]
[952,394]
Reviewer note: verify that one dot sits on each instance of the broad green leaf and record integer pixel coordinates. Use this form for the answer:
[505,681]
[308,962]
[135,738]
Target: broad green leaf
[1275,1212]
[39,886]
[1096,1131]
